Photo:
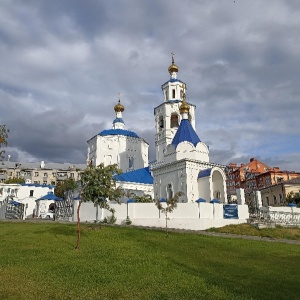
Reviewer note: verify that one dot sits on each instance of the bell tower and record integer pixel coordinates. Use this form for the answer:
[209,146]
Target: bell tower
[167,117]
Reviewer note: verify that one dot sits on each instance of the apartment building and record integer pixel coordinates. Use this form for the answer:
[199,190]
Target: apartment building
[255,176]
[40,173]
[276,194]
[244,176]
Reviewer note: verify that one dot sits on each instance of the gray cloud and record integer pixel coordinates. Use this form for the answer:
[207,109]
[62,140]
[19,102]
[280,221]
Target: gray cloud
[63,63]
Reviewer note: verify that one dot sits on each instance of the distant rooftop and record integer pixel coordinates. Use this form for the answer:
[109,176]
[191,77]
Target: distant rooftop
[37,165]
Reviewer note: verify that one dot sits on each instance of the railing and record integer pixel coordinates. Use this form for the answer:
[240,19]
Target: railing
[276,217]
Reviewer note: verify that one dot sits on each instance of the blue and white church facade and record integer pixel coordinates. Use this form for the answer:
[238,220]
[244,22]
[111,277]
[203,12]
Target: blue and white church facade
[182,159]
[118,146]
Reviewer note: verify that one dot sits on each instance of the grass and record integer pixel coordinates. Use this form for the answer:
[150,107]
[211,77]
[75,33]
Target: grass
[38,261]
[291,233]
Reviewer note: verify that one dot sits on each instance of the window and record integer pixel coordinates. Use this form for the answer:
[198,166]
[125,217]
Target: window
[130,162]
[45,182]
[161,122]
[274,199]
[280,198]
[173,93]
[169,191]
[36,174]
[174,120]
[31,193]
[45,175]
[72,175]
[267,198]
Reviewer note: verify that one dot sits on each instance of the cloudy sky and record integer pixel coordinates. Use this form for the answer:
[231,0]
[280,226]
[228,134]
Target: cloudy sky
[63,62]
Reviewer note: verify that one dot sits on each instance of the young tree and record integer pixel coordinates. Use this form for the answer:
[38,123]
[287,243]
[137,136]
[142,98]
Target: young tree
[65,186]
[97,184]
[171,204]
[3,140]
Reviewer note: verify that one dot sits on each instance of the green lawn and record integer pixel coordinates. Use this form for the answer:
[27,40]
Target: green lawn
[38,261]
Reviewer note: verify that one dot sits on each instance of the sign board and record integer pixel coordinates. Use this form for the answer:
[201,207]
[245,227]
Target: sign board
[230,211]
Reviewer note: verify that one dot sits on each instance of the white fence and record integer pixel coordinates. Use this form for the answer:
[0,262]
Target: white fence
[285,216]
[194,216]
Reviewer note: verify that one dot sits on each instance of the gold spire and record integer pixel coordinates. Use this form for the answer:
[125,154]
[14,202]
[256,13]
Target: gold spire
[119,107]
[184,107]
[173,67]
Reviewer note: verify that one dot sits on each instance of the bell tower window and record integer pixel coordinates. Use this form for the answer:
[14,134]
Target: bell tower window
[161,122]
[173,93]
[174,120]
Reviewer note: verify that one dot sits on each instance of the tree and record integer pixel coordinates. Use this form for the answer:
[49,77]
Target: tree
[15,180]
[293,197]
[138,199]
[171,204]
[3,140]
[143,199]
[65,186]
[98,184]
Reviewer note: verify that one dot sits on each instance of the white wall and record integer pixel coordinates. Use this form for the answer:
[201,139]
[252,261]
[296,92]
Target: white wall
[186,216]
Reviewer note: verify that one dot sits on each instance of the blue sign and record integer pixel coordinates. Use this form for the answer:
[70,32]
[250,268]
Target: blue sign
[230,211]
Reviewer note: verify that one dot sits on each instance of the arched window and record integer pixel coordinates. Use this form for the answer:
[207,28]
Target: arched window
[174,120]
[169,191]
[130,162]
[161,122]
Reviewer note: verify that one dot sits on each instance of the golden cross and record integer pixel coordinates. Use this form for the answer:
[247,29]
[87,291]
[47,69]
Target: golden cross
[172,57]
[119,96]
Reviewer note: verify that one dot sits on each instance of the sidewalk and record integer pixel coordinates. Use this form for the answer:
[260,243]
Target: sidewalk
[200,232]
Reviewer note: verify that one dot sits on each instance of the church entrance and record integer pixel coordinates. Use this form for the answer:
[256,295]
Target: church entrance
[218,186]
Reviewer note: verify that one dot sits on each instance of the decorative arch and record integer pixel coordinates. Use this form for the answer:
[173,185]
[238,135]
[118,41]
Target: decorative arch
[218,185]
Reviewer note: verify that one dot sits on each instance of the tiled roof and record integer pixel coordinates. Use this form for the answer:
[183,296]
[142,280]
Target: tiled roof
[293,181]
[50,196]
[139,176]
[185,133]
[118,132]
[204,173]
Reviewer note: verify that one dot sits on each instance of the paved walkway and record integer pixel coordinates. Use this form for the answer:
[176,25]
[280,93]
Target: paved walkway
[227,235]
[200,232]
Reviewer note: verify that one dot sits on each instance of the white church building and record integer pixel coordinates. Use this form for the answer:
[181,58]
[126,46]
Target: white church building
[182,159]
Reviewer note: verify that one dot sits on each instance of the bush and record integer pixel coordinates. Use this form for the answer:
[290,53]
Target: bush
[110,219]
